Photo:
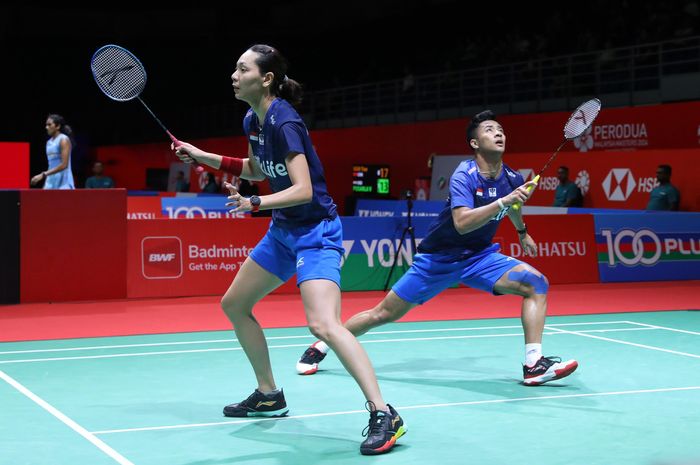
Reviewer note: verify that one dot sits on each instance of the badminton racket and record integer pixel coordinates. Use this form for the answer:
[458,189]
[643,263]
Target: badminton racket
[580,120]
[122,77]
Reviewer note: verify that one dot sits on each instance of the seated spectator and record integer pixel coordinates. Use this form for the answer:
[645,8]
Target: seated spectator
[98,180]
[211,187]
[665,196]
[567,194]
[181,183]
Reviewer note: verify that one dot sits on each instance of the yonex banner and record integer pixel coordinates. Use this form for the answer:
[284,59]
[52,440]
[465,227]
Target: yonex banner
[648,246]
[372,245]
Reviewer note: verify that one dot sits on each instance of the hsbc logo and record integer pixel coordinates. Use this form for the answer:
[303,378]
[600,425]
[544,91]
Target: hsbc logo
[161,257]
[527,174]
[619,184]
[545,183]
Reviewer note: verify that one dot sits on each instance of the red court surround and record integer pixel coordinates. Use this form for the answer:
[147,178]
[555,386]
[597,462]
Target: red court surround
[153,316]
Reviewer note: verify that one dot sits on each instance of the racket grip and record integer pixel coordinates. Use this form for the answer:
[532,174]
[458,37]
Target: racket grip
[197,167]
[516,206]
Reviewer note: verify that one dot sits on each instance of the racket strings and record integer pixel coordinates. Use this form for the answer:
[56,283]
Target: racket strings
[118,74]
[582,118]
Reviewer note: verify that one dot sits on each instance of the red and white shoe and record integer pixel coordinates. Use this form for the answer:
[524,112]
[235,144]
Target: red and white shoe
[547,369]
[308,363]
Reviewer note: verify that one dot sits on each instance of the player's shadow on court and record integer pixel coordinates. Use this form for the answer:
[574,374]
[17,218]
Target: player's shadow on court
[294,442]
[477,375]
[464,373]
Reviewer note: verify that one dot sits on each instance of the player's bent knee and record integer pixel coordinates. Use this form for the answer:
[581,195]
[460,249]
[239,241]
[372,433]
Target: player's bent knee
[232,308]
[321,331]
[539,282]
[382,315]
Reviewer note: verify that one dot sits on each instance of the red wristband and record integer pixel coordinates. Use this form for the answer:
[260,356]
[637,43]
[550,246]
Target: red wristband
[232,165]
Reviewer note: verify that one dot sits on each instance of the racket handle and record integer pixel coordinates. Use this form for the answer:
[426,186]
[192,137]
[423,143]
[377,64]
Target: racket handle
[516,206]
[198,168]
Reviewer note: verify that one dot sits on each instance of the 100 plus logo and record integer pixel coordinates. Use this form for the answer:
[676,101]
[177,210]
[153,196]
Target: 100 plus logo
[645,247]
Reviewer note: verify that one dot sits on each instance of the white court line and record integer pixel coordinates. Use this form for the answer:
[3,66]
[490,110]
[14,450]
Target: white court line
[643,346]
[273,338]
[401,408]
[664,327]
[286,346]
[65,420]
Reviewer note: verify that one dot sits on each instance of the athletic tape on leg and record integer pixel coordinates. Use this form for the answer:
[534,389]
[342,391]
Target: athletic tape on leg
[527,277]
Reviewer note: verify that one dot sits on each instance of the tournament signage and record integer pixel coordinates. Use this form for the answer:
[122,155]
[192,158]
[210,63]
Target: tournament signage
[168,258]
[620,180]
[383,208]
[648,246]
[202,256]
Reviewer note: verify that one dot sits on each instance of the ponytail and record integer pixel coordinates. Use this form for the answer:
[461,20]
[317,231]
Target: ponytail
[291,91]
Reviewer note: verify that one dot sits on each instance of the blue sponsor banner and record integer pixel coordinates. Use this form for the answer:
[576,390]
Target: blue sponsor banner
[398,208]
[197,207]
[372,246]
[648,246]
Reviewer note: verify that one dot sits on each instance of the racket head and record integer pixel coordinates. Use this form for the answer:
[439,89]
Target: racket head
[118,73]
[582,118]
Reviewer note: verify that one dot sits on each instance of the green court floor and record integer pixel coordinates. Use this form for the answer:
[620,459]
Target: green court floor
[157,400]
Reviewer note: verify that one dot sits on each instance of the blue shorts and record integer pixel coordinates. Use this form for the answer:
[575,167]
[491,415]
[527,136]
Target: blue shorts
[312,252]
[431,274]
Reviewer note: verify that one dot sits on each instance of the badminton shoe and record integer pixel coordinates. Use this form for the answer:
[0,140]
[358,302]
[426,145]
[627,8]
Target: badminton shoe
[259,405]
[547,369]
[383,430]
[308,363]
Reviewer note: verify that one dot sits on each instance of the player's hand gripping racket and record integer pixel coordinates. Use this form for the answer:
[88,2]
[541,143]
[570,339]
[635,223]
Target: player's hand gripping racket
[122,77]
[580,120]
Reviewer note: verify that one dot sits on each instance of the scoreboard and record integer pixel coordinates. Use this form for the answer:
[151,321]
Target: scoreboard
[370,180]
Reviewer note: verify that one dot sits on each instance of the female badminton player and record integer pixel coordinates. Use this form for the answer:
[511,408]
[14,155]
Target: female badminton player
[305,237]
[58,152]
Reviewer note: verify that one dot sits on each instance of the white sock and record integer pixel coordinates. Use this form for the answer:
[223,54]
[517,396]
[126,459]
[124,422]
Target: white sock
[533,352]
[271,393]
[322,347]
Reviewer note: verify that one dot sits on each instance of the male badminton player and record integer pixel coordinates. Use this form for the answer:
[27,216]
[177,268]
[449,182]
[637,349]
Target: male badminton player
[458,248]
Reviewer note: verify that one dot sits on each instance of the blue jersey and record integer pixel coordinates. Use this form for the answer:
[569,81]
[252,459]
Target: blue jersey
[469,189]
[283,132]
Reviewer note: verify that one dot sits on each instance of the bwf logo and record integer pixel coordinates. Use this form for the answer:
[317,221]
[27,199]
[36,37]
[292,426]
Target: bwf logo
[161,257]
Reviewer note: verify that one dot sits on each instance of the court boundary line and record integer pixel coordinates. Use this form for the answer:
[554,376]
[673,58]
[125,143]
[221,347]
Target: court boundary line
[287,346]
[65,420]
[684,331]
[271,338]
[634,344]
[410,407]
